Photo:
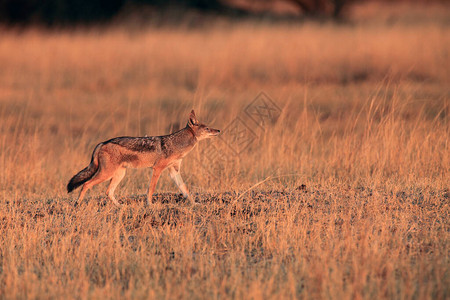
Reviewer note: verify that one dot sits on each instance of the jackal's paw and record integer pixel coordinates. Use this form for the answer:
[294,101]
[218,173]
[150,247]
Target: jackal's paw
[191,202]
[117,204]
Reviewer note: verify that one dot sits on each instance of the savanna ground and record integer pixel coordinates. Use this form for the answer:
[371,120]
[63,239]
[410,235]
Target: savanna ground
[345,195]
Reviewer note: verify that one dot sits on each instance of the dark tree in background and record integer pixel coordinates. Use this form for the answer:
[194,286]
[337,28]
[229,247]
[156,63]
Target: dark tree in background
[58,11]
[63,12]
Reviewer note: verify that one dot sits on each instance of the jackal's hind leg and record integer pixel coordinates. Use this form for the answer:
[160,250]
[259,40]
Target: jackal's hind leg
[118,176]
[83,191]
[98,178]
[174,172]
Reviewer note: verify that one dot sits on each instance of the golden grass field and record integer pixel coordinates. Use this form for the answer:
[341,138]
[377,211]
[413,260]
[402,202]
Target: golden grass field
[345,196]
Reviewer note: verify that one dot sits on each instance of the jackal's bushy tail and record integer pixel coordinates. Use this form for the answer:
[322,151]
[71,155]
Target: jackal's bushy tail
[85,174]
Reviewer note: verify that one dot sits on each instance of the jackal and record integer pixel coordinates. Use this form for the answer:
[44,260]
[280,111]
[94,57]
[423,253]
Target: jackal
[110,159]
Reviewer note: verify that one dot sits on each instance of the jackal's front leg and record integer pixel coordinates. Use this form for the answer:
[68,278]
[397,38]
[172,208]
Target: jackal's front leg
[174,171]
[153,182]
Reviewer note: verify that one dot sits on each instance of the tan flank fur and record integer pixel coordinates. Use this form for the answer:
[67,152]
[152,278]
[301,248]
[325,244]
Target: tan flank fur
[111,158]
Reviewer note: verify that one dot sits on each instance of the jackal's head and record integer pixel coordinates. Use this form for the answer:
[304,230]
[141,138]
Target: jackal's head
[201,131]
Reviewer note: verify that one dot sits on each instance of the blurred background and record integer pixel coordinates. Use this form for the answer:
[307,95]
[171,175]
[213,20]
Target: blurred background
[358,85]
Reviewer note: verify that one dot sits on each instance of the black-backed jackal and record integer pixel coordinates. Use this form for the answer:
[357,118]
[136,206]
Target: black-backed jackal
[110,159]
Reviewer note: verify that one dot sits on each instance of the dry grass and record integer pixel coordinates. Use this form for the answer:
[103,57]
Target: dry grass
[353,194]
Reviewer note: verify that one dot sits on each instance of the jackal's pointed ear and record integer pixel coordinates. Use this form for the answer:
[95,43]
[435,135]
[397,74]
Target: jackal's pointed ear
[192,119]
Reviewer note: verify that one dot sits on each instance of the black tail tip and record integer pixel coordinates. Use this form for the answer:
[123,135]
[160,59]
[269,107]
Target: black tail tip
[71,187]
[74,184]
